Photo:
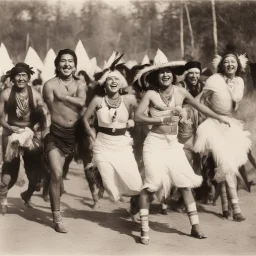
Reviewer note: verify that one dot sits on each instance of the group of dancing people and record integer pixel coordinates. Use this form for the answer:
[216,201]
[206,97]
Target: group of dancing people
[174,114]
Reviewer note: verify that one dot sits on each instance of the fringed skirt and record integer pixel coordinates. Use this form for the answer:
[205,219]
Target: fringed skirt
[228,145]
[116,163]
[166,164]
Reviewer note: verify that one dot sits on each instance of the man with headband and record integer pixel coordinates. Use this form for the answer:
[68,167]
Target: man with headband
[22,105]
[192,80]
[65,97]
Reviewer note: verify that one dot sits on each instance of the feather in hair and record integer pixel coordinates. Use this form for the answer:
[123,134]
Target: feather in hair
[216,61]
[243,61]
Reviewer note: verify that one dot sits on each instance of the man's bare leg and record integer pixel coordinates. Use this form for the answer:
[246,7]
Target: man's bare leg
[56,162]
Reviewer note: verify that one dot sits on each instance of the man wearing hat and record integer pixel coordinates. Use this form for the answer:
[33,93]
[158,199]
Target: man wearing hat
[65,98]
[192,80]
[22,105]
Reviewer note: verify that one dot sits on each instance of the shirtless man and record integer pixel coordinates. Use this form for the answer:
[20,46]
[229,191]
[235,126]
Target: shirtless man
[22,105]
[65,97]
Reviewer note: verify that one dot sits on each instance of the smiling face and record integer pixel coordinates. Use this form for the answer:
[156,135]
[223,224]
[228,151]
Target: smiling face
[193,76]
[230,65]
[112,84]
[66,65]
[21,80]
[165,77]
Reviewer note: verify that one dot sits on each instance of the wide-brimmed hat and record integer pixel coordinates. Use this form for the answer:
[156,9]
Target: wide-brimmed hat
[160,61]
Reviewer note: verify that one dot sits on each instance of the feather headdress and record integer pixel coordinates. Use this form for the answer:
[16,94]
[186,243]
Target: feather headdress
[242,59]
[160,61]
[110,69]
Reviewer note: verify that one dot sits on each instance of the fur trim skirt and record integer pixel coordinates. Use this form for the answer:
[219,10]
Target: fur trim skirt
[228,145]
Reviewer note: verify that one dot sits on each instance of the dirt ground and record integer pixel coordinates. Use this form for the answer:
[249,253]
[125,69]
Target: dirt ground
[110,231]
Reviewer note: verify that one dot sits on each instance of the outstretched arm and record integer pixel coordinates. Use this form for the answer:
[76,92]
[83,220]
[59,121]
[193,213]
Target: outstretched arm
[141,118]
[202,108]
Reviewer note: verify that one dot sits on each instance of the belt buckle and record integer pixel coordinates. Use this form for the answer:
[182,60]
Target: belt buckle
[114,129]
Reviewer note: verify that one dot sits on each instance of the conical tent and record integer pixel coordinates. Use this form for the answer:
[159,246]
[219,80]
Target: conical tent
[130,63]
[83,61]
[5,60]
[93,67]
[48,71]
[145,60]
[33,60]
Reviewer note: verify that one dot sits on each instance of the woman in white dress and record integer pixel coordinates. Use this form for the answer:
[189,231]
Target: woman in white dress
[112,151]
[165,162]
[229,145]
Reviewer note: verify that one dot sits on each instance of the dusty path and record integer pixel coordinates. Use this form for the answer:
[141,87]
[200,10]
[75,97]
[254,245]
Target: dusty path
[109,230]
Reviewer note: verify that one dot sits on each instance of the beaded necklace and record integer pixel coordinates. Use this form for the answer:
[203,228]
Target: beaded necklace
[166,97]
[113,103]
[22,103]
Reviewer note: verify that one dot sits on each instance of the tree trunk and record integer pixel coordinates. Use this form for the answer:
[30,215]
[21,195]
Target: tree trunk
[215,37]
[190,29]
[181,31]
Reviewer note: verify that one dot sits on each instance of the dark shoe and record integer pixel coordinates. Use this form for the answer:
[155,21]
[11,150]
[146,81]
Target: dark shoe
[163,211]
[27,201]
[225,214]
[196,233]
[59,227]
[29,204]
[144,239]
[238,217]
[46,198]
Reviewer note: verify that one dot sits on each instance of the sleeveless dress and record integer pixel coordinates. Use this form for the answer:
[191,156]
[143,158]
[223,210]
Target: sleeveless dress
[165,162]
[121,177]
[228,145]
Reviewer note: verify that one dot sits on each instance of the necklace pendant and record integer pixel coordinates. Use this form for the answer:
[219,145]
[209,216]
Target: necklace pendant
[114,129]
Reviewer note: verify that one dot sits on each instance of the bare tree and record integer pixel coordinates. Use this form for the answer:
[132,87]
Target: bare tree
[181,30]
[190,29]
[215,37]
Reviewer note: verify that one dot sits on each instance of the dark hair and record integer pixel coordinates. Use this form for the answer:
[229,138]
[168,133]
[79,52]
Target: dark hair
[85,75]
[153,79]
[37,81]
[58,57]
[126,72]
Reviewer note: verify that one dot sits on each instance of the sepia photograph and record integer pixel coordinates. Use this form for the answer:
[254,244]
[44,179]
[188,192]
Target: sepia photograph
[127,127]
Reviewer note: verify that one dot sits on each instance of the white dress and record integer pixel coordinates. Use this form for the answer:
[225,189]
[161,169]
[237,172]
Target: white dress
[114,156]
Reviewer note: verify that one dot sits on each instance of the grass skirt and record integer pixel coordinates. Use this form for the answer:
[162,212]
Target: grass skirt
[228,145]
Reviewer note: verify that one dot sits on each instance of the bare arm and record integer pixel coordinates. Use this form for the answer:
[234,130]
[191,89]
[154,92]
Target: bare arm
[79,100]
[48,94]
[139,113]
[202,108]
[87,115]
[3,100]
[43,118]
[206,97]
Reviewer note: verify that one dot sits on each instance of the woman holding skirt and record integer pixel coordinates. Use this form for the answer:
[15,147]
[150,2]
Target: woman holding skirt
[229,145]
[112,151]
[165,162]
